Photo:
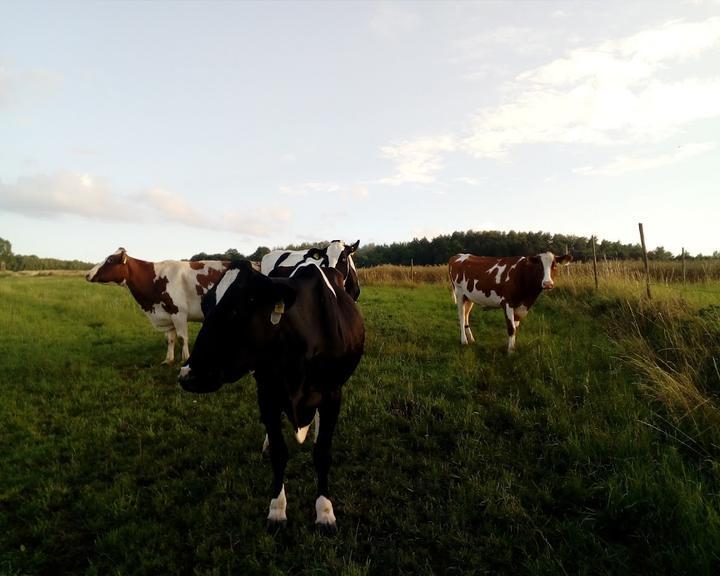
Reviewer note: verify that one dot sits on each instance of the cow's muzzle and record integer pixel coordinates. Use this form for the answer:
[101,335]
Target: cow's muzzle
[190,382]
[548,285]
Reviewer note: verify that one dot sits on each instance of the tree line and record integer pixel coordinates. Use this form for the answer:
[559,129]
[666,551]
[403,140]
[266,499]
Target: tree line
[17,262]
[420,251]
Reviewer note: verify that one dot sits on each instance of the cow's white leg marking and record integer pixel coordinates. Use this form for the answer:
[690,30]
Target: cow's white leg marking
[324,511]
[461,317]
[278,507]
[467,306]
[170,356]
[301,434]
[181,328]
[317,426]
[511,326]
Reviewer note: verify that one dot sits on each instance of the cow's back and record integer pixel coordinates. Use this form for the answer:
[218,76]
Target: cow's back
[187,282]
[485,280]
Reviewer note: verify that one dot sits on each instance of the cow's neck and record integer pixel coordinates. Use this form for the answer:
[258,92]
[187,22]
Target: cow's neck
[532,282]
[141,282]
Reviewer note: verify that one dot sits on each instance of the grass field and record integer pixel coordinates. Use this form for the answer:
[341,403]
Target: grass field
[592,450]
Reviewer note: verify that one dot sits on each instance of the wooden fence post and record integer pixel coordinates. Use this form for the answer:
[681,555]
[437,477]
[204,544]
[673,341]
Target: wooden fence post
[595,263]
[645,259]
[412,271]
[683,265]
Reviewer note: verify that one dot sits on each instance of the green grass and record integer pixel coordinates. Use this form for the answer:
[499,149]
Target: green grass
[559,459]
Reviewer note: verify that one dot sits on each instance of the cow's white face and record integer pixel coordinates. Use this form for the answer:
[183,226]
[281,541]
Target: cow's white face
[548,263]
[334,251]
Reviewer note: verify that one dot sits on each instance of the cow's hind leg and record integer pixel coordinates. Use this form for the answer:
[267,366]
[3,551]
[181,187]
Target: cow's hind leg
[170,336]
[278,458]
[329,410]
[467,306]
[511,327]
[461,317]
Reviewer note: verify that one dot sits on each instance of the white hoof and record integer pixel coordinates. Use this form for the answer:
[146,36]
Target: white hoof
[277,508]
[324,511]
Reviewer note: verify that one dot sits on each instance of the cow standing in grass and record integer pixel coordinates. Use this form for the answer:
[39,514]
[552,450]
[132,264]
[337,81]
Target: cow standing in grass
[301,337]
[512,284]
[169,292]
[337,254]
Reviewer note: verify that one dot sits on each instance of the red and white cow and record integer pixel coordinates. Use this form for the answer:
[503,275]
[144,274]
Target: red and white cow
[512,283]
[169,292]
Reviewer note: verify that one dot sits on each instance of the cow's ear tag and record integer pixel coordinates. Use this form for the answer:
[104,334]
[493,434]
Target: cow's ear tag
[277,312]
[124,258]
[316,256]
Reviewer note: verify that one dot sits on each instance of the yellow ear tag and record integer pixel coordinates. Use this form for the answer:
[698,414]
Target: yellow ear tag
[316,256]
[277,312]
[124,258]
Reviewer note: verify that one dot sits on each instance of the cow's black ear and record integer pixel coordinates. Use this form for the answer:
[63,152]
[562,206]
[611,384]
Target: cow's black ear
[564,259]
[315,253]
[535,259]
[354,247]
[284,293]
[283,298]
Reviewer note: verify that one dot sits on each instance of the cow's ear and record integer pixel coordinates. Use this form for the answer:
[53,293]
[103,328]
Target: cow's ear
[535,259]
[123,255]
[354,247]
[315,253]
[284,297]
[564,259]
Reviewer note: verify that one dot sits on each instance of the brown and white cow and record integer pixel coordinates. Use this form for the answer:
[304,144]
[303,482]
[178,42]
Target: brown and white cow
[169,292]
[511,283]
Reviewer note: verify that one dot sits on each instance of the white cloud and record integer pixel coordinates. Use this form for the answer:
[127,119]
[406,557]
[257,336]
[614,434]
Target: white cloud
[76,194]
[325,187]
[63,193]
[417,161]
[635,90]
[263,222]
[624,164]
[27,86]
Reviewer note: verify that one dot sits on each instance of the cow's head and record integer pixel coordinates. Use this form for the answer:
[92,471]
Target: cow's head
[340,258]
[113,269]
[242,315]
[548,263]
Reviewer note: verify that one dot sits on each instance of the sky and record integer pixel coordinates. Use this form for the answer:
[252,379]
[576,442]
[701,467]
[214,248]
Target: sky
[172,128]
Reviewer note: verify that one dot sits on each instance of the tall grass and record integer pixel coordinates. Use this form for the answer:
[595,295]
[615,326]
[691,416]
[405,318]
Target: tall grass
[613,271]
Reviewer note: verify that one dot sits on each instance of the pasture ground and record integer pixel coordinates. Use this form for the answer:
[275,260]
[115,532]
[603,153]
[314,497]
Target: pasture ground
[559,459]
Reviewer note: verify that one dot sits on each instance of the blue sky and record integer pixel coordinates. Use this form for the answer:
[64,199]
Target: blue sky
[180,127]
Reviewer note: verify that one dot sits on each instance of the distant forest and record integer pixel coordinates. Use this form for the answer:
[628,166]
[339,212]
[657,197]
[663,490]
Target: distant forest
[487,243]
[420,251]
[17,262]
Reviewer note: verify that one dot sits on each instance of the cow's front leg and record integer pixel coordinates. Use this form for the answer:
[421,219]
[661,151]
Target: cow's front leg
[278,459]
[322,458]
[511,327]
[181,327]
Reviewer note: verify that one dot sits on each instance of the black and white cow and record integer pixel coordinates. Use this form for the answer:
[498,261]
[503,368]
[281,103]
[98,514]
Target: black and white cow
[337,254]
[301,337]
